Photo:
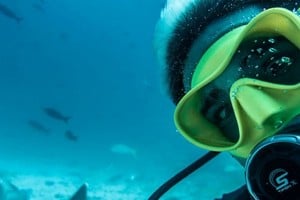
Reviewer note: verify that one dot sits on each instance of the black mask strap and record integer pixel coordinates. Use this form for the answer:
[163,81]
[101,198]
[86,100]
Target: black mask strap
[182,174]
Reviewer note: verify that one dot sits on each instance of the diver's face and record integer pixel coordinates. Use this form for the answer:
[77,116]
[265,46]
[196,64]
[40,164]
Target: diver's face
[270,59]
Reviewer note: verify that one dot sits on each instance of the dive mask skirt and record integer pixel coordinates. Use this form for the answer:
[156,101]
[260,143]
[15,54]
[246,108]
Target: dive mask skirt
[260,108]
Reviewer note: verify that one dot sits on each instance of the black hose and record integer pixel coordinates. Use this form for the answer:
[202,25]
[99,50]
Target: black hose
[182,174]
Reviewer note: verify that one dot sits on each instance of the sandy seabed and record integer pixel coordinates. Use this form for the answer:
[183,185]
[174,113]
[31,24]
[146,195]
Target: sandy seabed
[49,181]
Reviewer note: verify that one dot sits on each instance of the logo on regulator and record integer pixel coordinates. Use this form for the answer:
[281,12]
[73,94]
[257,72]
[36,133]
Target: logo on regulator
[279,180]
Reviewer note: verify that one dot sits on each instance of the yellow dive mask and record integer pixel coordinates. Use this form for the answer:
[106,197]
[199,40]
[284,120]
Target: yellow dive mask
[261,107]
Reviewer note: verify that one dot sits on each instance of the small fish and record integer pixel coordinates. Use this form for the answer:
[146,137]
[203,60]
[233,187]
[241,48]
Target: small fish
[9,13]
[71,136]
[123,149]
[51,112]
[38,126]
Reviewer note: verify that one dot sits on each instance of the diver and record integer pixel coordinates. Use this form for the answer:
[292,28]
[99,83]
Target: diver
[232,69]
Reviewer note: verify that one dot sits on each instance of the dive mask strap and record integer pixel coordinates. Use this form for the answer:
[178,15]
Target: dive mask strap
[182,174]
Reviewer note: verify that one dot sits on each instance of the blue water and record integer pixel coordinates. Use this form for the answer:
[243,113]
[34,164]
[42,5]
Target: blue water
[94,61]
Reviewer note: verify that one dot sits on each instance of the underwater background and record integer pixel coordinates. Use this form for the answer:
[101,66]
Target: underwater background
[92,62]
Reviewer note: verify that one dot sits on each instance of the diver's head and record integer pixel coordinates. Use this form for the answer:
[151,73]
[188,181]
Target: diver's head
[233,69]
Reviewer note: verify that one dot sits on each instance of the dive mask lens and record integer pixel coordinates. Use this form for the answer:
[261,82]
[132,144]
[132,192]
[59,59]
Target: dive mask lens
[272,169]
[269,59]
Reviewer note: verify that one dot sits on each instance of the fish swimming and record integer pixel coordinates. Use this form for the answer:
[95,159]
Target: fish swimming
[53,113]
[123,149]
[71,136]
[9,13]
[38,126]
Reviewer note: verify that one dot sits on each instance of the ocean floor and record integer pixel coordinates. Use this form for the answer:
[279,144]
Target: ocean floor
[48,181]
[61,182]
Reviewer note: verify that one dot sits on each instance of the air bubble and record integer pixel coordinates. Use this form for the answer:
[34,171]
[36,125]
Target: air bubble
[234,93]
[278,124]
[259,50]
[296,11]
[271,40]
[273,50]
[286,59]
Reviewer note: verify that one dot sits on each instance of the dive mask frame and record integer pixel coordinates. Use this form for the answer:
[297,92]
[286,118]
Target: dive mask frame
[277,108]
